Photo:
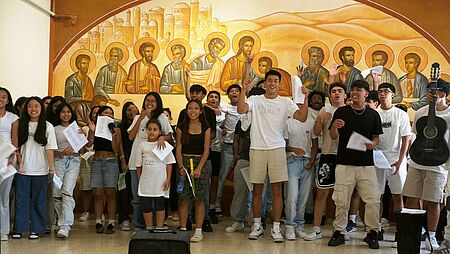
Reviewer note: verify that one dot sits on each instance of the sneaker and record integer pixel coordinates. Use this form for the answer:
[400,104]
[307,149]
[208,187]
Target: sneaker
[84,217]
[351,226]
[63,233]
[431,244]
[360,222]
[300,232]
[16,235]
[4,238]
[33,236]
[48,229]
[372,239]
[384,223]
[99,228]
[444,248]
[175,217]
[316,234]
[277,237]
[196,238]
[236,226]
[206,227]
[110,229]
[290,232]
[380,235]
[256,233]
[337,239]
[126,225]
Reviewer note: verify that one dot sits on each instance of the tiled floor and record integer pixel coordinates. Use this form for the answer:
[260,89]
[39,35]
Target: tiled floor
[83,240]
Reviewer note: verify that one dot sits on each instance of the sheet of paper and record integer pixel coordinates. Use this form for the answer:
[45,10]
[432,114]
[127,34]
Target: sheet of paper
[76,139]
[87,155]
[329,108]
[6,149]
[190,181]
[121,184]
[357,142]
[376,69]
[6,172]
[245,174]
[380,160]
[101,128]
[57,181]
[162,153]
[297,93]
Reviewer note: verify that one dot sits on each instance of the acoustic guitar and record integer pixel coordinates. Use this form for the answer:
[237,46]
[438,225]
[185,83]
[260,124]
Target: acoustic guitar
[430,147]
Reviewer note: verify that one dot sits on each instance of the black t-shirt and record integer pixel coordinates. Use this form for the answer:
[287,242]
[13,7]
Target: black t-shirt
[196,142]
[244,150]
[210,117]
[365,122]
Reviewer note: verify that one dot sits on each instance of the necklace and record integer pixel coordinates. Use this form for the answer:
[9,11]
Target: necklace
[358,113]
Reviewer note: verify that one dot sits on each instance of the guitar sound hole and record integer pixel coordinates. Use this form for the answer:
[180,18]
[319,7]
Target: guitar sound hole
[430,133]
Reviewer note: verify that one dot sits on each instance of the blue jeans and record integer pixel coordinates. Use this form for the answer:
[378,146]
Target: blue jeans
[225,163]
[30,214]
[138,216]
[297,191]
[5,188]
[67,168]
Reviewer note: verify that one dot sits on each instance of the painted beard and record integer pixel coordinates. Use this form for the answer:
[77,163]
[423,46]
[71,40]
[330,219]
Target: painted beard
[113,62]
[349,63]
[314,63]
[177,63]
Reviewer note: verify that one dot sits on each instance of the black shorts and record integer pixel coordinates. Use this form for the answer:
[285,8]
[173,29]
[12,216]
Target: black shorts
[152,204]
[215,162]
[326,173]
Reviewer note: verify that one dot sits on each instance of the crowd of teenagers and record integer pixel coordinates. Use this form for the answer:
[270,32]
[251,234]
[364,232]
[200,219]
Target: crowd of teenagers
[277,154]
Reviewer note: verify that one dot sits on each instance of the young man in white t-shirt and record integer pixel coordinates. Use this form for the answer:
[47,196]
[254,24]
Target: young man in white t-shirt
[427,183]
[267,151]
[393,144]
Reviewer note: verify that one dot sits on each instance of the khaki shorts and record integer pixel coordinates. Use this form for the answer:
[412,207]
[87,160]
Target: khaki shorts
[424,184]
[271,162]
[85,174]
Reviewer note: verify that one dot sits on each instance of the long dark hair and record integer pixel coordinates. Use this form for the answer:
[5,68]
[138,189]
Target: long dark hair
[91,114]
[39,135]
[159,104]
[125,122]
[101,109]
[57,118]
[185,136]
[49,115]
[9,107]
[19,103]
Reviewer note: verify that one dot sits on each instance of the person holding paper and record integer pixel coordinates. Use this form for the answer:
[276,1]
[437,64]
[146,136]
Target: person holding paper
[36,141]
[267,154]
[105,171]
[154,176]
[9,128]
[193,142]
[356,168]
[67,166]
[394,143]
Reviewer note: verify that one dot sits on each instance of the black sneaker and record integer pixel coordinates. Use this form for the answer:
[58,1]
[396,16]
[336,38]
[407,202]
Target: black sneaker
[99,228]
[371,239]
[207,226]
[213,217]
[351,226]
[16,235]
[110,229]
[380,235]
[337,239]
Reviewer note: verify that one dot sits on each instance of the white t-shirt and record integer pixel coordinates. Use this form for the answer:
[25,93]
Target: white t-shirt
[61,139]
[216,143]
[445,115]
[35,161]
[300,135]
[269,117]
[395,123]
[231,119]
[154,171]
[6,126]
[141,136]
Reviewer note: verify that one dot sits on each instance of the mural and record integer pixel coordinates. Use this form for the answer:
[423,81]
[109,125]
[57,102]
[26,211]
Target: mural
[208,43]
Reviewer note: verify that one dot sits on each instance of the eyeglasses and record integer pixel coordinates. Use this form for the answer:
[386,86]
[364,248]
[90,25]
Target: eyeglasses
[384,90]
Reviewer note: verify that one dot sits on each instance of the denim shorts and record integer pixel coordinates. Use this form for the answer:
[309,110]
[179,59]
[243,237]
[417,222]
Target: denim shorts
[104,173]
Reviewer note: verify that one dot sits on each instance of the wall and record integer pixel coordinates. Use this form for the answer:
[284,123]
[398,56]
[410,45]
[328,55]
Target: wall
[24,48]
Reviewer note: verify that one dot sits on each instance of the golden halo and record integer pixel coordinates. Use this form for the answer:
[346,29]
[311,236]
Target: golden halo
[238,36]
[263,54]
[382,47]
[347,43]
[413,49]
[445,76]
[178,41]
[140,42]
[73,57]
[221,36]
[320,44]
[124,51]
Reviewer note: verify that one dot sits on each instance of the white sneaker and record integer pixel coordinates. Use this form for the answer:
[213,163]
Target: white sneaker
[316,234]
[257,232]
[4,238]
[432,242]
[126,225]
[290,233]
[84,217]
[196,238]
[277,237]
[63,233]
[384,223]
[300,232]
[236,226]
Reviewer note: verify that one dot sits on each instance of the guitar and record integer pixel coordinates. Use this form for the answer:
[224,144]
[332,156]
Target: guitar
[430,147]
